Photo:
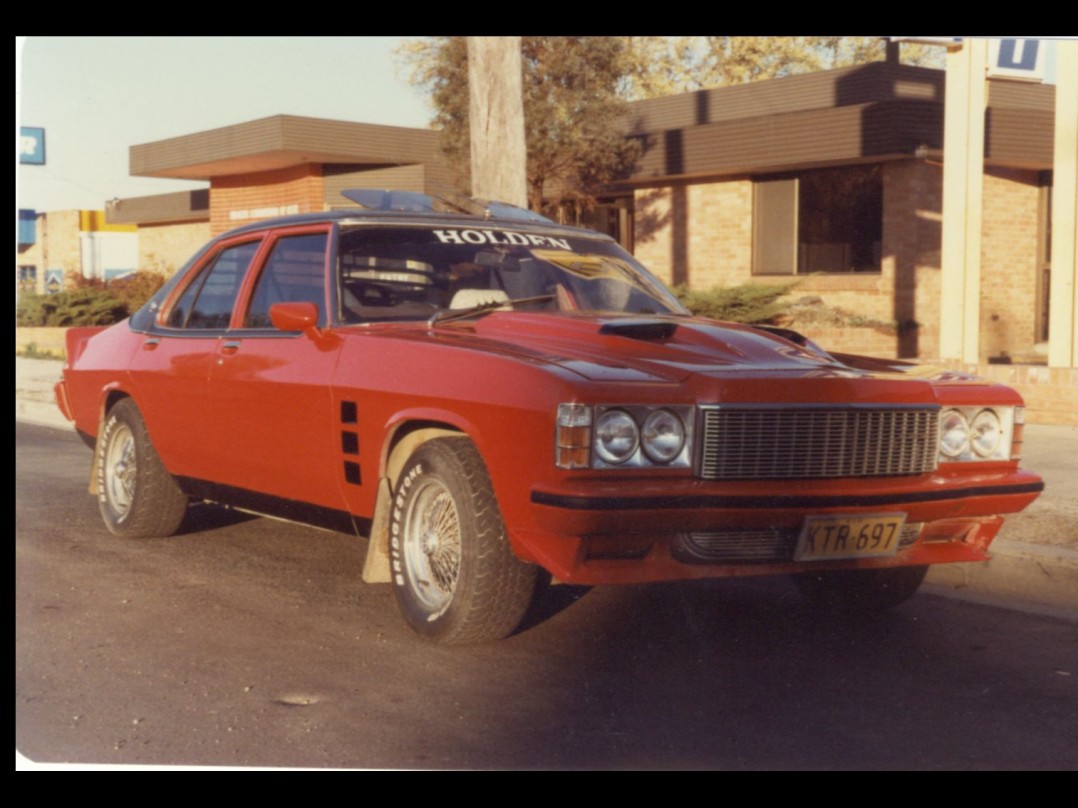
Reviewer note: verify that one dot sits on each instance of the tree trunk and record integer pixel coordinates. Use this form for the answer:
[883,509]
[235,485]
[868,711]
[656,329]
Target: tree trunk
[496,115]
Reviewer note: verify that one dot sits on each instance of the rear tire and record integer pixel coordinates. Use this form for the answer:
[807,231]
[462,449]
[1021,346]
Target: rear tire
[455,577]
[137,496]
[860,591]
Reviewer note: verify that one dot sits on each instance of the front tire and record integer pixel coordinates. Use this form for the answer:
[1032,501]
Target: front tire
[861,591]
[137,496]
[455,577]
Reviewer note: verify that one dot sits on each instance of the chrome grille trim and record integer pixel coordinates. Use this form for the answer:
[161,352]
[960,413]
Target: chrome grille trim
[761,442]
[753,545]
[736,546]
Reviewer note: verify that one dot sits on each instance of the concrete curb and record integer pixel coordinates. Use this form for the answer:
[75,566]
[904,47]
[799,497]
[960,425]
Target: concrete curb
[1029,577]
[35,402]
[40,414]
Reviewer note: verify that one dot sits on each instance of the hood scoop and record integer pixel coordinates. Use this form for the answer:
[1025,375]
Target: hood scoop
[641,329]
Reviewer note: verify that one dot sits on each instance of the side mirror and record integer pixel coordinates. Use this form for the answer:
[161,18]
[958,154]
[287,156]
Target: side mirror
[294,316]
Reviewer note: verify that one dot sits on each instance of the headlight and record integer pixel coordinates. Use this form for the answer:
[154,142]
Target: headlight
[616,437]
[977,433]
[664,436]
[636,436]
[954,434]
[986,433]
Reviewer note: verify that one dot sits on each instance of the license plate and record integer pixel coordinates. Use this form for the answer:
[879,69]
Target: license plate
[829,537]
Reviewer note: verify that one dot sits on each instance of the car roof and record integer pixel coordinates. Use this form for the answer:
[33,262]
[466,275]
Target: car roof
[405,218]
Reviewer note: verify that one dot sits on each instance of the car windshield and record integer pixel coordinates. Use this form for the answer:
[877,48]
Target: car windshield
[413,273]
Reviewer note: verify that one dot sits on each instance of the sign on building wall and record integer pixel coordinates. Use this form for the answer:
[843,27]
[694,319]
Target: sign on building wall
[27,227]
[262,213]
[54,281]
[1016,59]
[32,145]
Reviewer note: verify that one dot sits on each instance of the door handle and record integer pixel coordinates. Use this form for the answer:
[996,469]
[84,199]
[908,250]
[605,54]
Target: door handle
[230,346]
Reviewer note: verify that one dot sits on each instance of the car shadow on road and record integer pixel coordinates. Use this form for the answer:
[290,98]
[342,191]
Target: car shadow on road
[549,601]
[203,516]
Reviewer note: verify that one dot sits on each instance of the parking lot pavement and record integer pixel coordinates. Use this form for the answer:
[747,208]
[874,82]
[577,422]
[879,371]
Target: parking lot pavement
[1034,561]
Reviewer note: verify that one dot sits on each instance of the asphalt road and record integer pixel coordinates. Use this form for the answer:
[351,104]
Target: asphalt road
[247,642]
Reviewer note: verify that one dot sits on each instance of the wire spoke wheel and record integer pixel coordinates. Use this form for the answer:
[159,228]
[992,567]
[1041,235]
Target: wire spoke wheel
[432,545]
[455,576]
[121,468]
[137,496]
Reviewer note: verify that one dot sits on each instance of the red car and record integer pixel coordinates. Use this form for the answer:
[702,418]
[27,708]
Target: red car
[481,396]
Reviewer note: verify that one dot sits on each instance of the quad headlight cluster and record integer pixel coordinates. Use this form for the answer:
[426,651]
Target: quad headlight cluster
[623,436]
[977,433]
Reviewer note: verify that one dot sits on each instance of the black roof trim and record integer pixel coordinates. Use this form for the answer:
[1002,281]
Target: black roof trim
[397,217]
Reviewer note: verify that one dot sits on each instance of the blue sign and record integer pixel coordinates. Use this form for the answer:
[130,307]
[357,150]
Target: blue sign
[27,227]
[1016,59]
[32,145]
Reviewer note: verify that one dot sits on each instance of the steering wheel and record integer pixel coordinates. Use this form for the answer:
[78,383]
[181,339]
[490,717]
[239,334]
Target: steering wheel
[374,294]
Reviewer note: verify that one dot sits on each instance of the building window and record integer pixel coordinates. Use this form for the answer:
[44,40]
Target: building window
[613,216]
[829,220]
[27,278]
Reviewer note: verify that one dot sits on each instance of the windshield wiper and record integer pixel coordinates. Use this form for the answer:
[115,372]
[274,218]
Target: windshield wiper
[449,315]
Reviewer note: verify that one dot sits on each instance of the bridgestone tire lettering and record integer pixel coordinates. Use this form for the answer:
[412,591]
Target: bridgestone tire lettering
[455,576]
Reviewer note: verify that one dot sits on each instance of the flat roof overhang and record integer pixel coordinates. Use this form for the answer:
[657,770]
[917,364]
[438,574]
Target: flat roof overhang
[175,207]
[281,141]
[869,113]
[773,143]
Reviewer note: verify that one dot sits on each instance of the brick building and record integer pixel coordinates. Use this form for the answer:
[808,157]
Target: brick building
[171,227]
[282,165]
[53,246]
[832,180]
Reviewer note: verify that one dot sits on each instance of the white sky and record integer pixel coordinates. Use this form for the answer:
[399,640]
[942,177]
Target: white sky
[97,96]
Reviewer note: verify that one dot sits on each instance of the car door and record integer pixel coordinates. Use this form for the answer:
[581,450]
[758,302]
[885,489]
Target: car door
[272,424]
[170,371]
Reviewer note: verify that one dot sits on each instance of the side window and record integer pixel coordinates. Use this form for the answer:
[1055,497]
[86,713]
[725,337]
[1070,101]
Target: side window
[294,273]
[208,301]
[828,220]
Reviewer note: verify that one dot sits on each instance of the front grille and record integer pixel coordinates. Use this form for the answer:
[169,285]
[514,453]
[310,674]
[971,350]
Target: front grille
[754,443]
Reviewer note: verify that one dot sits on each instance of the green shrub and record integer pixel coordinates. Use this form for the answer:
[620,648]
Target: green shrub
[135,289]
[70,308]
[748,303]
[88,301]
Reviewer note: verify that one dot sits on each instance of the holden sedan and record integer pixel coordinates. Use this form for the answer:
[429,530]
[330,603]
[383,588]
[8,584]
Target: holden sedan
[481,397]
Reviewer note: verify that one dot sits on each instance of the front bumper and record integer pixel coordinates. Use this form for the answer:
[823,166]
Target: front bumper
[593,532]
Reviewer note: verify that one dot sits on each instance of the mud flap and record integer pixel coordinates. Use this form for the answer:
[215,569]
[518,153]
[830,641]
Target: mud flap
[376,567]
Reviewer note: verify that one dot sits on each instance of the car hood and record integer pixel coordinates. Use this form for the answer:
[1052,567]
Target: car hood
[635,348]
